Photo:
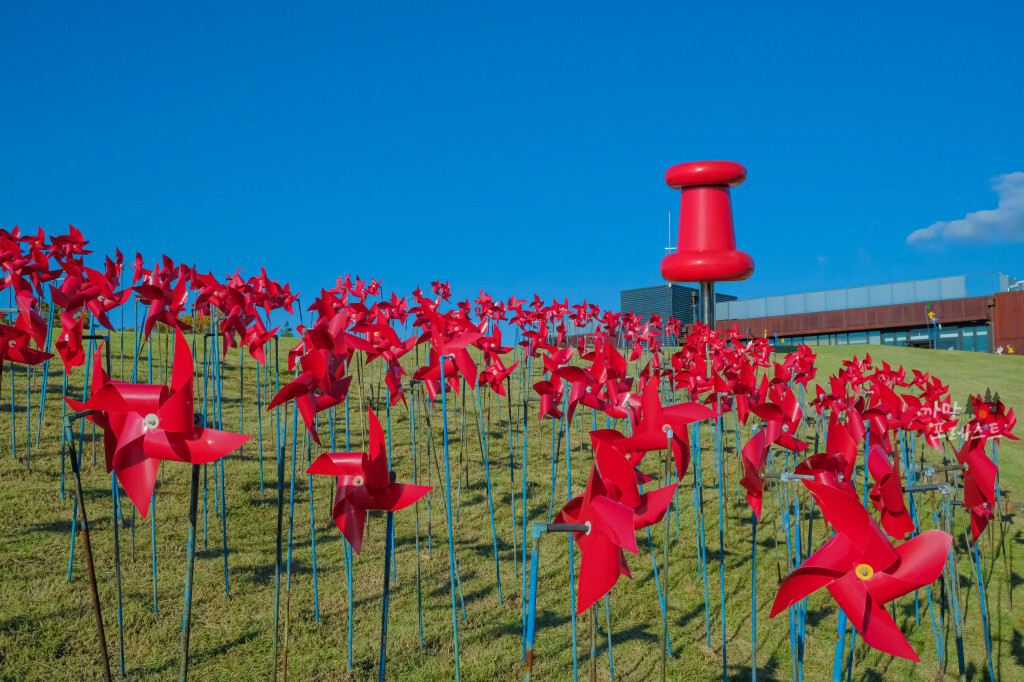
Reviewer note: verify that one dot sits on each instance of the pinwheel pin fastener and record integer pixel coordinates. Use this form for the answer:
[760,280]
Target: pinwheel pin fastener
[787,476]
[943,488]
[930,470]
[706,251]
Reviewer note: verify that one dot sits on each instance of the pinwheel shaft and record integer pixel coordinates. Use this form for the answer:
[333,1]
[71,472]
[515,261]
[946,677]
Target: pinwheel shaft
[539,529]
[190,562]
[88,547]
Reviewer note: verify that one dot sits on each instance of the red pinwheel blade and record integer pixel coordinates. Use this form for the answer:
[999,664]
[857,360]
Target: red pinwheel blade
[600,568]
[830,562]
[616,522]
[136,473]
[200,447]
[922,559]
[394,497]
[652,508]
[849,517]
[377,474]
[351,520]
[340,464]
[870,617]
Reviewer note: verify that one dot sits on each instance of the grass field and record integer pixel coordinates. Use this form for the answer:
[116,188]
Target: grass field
[46,623]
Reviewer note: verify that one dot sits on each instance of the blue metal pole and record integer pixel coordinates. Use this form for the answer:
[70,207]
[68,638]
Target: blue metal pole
[46,376]
[490,501]
[190,560]
[984,613]
[388,537]
[753,598]
[451,531]
[63,453]
[116,499]
[348,549]
[259,423]
[721,524]
[531,610]
[152,535]
[526,427]
[572,563]
[416,519]
[394,564]
[291,498]
[698,508]
[312,536]
[554,462]
[608,623]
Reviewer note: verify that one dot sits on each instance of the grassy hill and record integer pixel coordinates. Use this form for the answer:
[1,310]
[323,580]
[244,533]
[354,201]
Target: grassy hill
[47,627]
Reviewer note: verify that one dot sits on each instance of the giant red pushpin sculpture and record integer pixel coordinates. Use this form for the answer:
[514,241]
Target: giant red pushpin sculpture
[706,246]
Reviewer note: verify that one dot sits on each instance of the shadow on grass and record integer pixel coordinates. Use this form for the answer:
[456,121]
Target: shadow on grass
[195,657]
[769,671]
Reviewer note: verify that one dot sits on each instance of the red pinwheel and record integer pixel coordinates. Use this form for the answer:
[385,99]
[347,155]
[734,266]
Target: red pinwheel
[550,393]
[651,432]
[609,531]
[69,341]
[14,346]
[447,339]
[979,484]
[622,479]
[145,423]
[256,337]
[321,384]
[495,374]
[580,381]
[754,457]
[364,483]
[782,415]
[165,304]
[888,493]
[105,298]
[863,571]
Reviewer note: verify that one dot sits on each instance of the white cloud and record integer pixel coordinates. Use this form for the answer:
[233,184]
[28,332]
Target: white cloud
[1003,224]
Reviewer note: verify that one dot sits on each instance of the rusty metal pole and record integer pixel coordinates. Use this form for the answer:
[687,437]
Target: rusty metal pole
[88,551]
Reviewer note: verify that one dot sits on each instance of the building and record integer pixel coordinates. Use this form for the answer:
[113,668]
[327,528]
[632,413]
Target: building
[979,312]
[667,300]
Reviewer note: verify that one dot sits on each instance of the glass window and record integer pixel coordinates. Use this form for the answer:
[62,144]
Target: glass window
[968,339]
[858,337]
[841,339]
[874,337]
[889,339]
[981,338]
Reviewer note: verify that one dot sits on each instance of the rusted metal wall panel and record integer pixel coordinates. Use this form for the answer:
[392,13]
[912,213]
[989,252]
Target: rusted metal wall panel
[878,317]
[1008,322]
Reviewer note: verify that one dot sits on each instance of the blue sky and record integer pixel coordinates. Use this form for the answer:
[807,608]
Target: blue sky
[519,147]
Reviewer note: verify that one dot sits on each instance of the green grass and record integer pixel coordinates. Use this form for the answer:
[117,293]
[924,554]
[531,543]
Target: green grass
[46,623]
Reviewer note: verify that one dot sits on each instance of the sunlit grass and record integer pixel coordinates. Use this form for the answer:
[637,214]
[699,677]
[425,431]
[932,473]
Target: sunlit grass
[47,630]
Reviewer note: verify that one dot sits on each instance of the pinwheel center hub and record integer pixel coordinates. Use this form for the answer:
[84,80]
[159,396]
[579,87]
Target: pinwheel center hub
[587,524]
[151,421]
[358,480]
[864,571]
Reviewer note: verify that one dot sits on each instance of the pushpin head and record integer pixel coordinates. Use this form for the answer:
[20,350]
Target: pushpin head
[706,250]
